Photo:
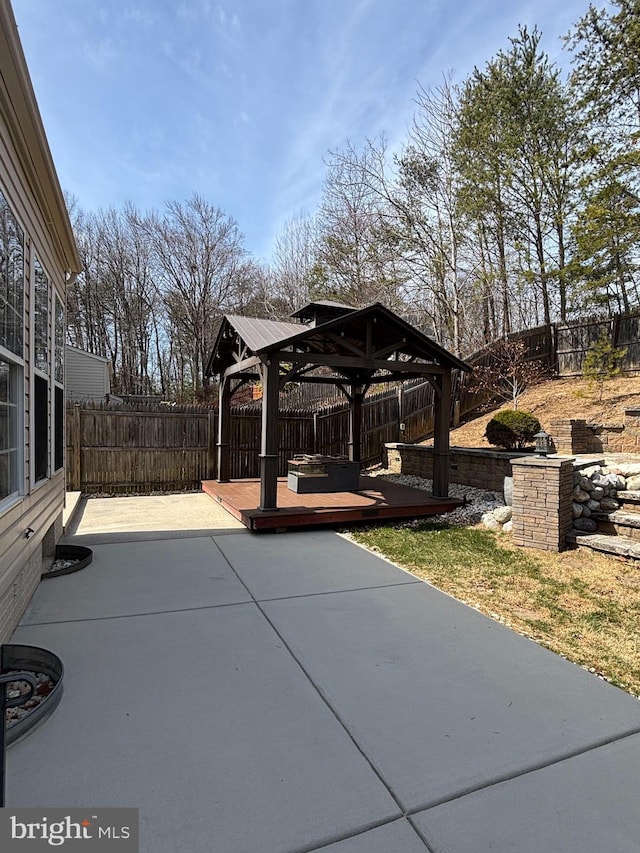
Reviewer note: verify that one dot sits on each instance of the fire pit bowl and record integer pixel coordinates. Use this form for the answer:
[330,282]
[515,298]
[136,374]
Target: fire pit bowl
[79,554]
[32,659]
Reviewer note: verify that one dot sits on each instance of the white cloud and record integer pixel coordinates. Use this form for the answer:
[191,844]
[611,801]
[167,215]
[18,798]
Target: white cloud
[102,54]
[138,15]
[194,10]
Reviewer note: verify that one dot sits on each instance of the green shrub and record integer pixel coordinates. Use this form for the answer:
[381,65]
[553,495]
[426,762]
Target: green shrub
[512,429]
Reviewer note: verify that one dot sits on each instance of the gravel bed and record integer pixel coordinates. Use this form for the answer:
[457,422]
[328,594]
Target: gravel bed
[64,564]
[477,502]
[44,686]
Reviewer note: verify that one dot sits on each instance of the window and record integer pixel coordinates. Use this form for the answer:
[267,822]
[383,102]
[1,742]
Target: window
[59,342]
[42,369]
[41,429]
[8,429]
[11,349]
[41,320]
[58,389]
[11,281]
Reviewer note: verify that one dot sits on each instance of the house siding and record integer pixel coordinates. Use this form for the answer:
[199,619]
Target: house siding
[86,375]
[21,558]
[30,187]
[39,507]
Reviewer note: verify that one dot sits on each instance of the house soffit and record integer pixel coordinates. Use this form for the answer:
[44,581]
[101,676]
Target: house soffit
[22,116]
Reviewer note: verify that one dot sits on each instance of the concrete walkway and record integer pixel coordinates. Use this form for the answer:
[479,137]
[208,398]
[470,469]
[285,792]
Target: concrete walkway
[290,693]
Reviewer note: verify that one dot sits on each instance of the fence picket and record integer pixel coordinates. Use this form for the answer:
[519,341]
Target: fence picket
[148,447]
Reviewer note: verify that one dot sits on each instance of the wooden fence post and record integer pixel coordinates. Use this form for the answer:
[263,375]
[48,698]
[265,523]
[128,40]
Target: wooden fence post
[615,331]
[76,468]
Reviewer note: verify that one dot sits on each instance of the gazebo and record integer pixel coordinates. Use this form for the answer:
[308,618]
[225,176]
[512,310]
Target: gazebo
[333,344]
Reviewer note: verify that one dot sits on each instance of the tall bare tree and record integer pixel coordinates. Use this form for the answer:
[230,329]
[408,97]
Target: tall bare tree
[201,267]
[287,284]
[355,262]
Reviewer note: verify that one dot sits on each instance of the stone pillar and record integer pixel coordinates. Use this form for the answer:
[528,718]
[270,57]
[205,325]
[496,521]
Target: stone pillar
[631,435]
[570,435]
[542,489]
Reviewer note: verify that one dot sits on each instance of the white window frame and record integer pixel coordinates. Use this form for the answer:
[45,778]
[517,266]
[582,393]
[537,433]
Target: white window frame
[39,373]
[16,364]
[57,384]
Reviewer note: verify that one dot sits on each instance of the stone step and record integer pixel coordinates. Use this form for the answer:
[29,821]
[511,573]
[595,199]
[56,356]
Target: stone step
[620,523]
[629,500]
[618,546]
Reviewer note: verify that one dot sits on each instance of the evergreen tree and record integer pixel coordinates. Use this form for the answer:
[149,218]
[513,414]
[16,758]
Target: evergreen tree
[606,81]
[602,362]
[514,151]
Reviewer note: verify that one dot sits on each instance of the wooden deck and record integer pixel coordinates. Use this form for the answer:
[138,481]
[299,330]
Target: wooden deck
[376,499]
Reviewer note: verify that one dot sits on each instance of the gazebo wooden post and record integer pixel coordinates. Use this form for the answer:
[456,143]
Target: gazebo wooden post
[441,436]
[355,423]
[269,438]
[224,428]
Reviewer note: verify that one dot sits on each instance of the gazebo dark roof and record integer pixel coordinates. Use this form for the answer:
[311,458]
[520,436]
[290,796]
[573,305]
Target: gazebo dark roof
[352,349]
[321,311]
[255,332]
[362,338]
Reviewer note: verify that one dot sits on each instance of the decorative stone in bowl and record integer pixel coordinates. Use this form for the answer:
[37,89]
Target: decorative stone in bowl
[48,671]
[68,559]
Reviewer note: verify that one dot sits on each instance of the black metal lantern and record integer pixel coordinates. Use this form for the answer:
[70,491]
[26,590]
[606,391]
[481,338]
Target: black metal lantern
[543,443]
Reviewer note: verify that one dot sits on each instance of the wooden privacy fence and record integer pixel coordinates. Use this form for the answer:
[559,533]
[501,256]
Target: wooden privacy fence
[574,340]
[135,448]
[116,449]
[564,346]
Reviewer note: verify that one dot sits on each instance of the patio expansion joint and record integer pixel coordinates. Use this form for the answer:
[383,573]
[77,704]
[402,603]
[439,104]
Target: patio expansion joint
[312,848]
[525,771]
[135,615]
[402,812]
[336,591]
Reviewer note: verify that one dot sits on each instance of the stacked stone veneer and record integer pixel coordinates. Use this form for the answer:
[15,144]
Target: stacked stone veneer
[595,489]
[577,436]
[553,496]
[569,435]
[482,469]
[542,492]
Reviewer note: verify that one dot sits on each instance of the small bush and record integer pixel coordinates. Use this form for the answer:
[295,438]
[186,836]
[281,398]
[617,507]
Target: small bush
[512,429]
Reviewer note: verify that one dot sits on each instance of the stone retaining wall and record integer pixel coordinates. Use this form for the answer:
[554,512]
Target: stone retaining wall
[482,469]
[577,436]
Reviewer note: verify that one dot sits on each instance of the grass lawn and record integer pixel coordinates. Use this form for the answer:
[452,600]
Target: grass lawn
[581,605]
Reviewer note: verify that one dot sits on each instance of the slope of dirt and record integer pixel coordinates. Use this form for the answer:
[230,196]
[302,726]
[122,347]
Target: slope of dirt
[561,398]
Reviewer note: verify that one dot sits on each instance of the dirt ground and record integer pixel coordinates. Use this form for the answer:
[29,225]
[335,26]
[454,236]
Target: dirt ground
[561,398]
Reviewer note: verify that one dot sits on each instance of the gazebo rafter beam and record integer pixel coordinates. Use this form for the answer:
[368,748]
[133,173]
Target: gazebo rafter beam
[243,366]
[380,353]
[288,375]
[337,339]
[368,364]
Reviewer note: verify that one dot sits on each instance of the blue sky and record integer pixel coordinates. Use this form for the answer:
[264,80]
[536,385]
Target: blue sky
[150,100]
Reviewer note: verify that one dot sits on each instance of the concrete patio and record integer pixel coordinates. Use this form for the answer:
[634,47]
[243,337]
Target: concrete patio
[291,693]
